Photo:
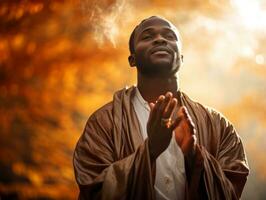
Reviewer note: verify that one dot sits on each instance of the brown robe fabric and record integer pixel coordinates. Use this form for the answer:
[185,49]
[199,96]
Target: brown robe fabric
[111,159]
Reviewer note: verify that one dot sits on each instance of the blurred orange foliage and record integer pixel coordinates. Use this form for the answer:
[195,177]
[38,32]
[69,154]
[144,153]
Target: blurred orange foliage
[61,60]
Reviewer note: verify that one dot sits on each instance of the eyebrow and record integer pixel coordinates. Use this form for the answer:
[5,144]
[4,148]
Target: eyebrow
[152,28]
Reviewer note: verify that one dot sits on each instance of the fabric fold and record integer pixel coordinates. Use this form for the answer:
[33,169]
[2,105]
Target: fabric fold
[112,161]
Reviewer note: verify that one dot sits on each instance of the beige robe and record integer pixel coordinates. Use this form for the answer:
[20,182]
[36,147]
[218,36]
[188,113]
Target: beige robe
[111,159]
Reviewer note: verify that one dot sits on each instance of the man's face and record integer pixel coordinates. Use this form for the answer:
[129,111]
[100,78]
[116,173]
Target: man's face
[157,48]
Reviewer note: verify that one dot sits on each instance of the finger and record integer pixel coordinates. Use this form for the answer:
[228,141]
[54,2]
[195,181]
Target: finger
[170,109]
[180,117]
[184,110]
[191,126]
[181,111]
[189,121]
[165,103]
[151,106]
[154,111]
[194,139]
[151,113]
[160,100]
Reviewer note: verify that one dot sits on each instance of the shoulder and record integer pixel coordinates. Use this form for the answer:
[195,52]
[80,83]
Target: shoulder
[102,112]
[207,112]
[102,118]
[98,126]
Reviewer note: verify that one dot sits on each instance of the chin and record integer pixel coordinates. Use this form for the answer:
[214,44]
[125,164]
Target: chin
[162,66]
[167,69]
[161,62]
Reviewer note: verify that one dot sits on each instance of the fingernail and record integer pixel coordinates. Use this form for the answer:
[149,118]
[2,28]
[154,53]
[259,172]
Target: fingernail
[174,100]
[169,94]
[161,96]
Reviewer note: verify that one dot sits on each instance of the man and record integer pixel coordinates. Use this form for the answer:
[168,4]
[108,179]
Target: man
[152,141]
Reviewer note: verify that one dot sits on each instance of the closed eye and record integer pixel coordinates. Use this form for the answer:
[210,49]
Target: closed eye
[170,36]
[146,37]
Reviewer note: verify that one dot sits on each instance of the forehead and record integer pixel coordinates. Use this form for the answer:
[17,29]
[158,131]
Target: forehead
[155,23]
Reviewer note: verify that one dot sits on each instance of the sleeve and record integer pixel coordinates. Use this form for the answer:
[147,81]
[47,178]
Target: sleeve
[100,176]
[224,175]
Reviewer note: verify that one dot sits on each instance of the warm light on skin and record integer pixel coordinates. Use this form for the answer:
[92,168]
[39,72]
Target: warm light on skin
[250,13]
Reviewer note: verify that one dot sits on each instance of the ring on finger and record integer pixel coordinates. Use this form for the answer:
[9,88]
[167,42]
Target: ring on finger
[166,122]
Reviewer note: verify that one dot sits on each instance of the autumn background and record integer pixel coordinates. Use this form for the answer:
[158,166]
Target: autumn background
[61,60]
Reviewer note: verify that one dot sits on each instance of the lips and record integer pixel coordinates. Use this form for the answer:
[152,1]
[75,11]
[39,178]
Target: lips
[160,50]
[160,53]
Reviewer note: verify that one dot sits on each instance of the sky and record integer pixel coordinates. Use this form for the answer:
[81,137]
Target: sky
[61,60]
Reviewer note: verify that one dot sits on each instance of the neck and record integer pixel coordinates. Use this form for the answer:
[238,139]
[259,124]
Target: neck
[152,87]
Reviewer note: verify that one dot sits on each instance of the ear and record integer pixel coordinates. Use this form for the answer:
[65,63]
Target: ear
[131,60]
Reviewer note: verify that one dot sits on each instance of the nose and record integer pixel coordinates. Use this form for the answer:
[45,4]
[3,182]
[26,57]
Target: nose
[159,39]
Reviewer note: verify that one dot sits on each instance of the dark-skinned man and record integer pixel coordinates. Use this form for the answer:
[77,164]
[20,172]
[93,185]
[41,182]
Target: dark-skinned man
[152,141]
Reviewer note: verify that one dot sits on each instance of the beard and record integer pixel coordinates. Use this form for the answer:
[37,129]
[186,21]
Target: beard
[161,68]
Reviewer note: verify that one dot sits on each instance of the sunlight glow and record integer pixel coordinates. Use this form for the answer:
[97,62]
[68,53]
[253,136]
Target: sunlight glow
[259,59]
[251,14]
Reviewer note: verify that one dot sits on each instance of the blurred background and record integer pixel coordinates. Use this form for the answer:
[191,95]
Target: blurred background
[61,60]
